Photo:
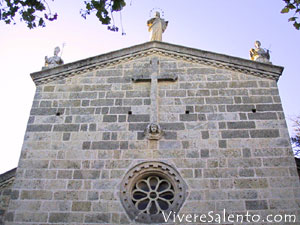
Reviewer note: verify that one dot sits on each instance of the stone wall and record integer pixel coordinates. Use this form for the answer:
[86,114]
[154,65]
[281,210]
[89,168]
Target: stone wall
[6,181]
[225,133]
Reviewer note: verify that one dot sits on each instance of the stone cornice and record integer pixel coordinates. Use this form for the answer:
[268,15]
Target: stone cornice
[158,48]
[7,178]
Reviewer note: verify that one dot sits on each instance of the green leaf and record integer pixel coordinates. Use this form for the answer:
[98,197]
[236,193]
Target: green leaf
[118,5]
[291,6]
[297,25]
[292,19]
[285,10]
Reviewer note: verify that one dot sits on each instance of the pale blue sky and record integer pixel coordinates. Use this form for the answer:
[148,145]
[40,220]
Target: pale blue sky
[228,27]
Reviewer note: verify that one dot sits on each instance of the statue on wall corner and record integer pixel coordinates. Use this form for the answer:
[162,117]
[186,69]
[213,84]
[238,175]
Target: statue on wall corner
[157,26]
[53,61]
[259,54]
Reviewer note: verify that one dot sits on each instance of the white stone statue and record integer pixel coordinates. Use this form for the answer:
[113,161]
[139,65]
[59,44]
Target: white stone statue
[54,60]
[157,26]
[259,54]
[153,131]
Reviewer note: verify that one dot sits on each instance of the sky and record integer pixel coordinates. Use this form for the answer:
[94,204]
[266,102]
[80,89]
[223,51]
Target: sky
[228,27]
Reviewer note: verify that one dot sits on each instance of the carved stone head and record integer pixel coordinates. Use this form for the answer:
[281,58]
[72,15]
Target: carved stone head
[257,44]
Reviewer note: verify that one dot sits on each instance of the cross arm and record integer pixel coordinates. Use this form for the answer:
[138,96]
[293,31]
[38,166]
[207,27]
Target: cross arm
[147,78]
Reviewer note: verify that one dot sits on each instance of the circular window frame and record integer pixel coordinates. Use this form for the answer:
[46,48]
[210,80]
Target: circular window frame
[146,170]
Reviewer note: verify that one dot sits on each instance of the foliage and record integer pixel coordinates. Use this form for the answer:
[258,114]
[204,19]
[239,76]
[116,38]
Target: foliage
[293,6]
[32,12]
[35,12]
[296,138]
[102,9]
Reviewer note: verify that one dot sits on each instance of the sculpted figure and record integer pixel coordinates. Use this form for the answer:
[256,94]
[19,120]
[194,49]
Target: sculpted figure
[259,54]
[54,60]
[157,26]
[153,131]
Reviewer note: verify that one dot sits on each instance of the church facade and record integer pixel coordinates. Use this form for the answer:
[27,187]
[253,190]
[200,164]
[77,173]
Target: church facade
[156,132]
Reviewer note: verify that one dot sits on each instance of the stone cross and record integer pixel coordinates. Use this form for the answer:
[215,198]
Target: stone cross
[153,130]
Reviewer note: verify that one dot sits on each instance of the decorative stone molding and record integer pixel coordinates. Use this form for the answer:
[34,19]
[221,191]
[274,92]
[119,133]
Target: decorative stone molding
[160,49]
[7,178]
[150,188]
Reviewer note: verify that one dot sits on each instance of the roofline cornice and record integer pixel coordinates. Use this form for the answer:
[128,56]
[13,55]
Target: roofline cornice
[160,48]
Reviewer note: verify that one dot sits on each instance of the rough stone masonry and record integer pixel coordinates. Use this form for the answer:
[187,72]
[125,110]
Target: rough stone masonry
[224,133]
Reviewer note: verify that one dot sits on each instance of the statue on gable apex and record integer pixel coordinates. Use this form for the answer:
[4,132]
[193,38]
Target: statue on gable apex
[157,26]
[259,54]
[53,61]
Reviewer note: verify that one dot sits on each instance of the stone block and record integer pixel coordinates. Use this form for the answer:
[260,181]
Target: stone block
[83,95]
[227,134]
[218,100]
[243,84]
[70,195]
[137,126]
[139,118]
[66,127]
[176,93]
[39,128]
[246,172]
[132,102]
[262,116]
[65,164]
[244,162]
[66,136]
[239,108]
[81,206]
[137,94]
[49,88]
[102,102]
[172,126]
[105,145]
[188,117]
[86,145]
[241,125]
[220,173]
[120,110]
[31,217]
[64,174]
[243,194]
[36,195]
[65,218]
[169,145]
[251,183]
[97,218]
[222,144]
[86,174]
[216,85]
[43,111]
[109,118]
[170,135]
[269,107]
[264,133]
[82,111]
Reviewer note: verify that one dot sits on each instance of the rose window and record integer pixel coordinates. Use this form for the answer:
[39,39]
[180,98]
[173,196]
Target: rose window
[153,194]
[150,189]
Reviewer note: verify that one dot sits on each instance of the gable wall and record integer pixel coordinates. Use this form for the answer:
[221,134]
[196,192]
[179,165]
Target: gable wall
[80,141]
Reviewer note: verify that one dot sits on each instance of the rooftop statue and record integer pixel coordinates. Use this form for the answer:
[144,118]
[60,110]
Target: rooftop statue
[157,26]
[54,60]
[259,54]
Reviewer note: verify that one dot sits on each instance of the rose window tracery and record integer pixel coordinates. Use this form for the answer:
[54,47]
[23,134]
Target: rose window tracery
[153,194]
[151,188]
